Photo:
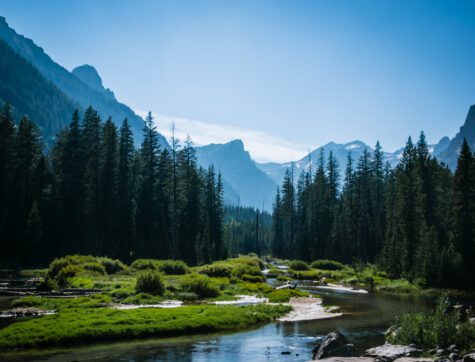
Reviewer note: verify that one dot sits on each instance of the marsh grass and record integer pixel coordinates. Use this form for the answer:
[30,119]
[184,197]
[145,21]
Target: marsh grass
[80,326]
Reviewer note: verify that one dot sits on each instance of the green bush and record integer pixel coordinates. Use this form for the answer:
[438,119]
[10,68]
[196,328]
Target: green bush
[298,265]
[327,265]
[217,270]
[249,260]
[150,282]
[145,264]
[112,266]
[239,270]
[439,329]
[172,267]
[200,285]
[66,272]
[94,266]
[59,263]
[100,265]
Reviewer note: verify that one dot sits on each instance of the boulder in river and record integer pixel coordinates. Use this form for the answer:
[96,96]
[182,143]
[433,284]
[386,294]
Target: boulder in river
[392,352]
[335,344]
[469,357]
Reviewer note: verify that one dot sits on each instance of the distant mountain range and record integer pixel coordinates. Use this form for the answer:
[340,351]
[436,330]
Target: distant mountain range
[82,88]
[245,183]
[47,92]
[340,151]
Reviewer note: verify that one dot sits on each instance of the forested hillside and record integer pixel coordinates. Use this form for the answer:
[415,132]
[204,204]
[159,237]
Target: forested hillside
[31,94]
[74,85]
[95,193]
[416,220]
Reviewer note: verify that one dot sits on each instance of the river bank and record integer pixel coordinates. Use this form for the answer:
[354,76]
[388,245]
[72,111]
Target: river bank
[365,315]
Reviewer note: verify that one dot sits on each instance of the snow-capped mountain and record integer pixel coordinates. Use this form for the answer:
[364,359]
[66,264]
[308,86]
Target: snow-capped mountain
[340,151]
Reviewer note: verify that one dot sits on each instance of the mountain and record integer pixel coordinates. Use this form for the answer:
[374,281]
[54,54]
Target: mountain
[31,94]
[82,86]
[244,182]
[451,152]
[340,151]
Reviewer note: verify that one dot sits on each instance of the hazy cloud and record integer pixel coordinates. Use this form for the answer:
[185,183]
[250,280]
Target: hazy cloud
[262,146]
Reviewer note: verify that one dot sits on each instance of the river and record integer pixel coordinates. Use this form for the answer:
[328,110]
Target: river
[365,319]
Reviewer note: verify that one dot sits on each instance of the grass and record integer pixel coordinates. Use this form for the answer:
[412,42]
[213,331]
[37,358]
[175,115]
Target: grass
[80,326]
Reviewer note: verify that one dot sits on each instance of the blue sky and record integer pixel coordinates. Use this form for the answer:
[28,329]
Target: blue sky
[288,74]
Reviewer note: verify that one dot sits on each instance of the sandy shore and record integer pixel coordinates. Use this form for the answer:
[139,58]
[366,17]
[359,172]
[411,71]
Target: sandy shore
[308,308]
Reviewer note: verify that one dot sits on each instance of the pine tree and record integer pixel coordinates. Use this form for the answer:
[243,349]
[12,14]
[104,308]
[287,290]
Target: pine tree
[70,175]
[148,197]
[108,189]
[7,137]
[288,212]
[27,154]
[91,141]
[464,210]
[126,188]
[277,227]
[189,220]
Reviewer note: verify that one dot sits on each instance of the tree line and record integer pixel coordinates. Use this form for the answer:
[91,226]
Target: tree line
[416,220]
[247,230]
[94,193]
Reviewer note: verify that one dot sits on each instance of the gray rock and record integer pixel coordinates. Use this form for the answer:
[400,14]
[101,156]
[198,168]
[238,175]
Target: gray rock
[469,357]
[414,359]
[442,352]
[349,359]
[443,359]
[335,344]
[454,356]
[393,351]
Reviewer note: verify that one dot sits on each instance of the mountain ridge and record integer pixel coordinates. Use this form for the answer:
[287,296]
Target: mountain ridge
[103,100]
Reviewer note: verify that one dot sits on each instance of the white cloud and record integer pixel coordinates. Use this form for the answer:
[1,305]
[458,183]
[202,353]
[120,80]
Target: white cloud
[262,146]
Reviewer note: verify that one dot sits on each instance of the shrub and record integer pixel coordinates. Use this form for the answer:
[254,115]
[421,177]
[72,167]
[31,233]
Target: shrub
[112,266]
[94,266]
[239,270]
[172,267]
[66,272]
[150,282]
[200,285]
[217,270]
[59,263]
[249,260]
[298,265]
[145,264]
[327,265]
[438,329]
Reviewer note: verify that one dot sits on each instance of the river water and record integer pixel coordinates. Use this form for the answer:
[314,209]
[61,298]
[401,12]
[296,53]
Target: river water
[366,317]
